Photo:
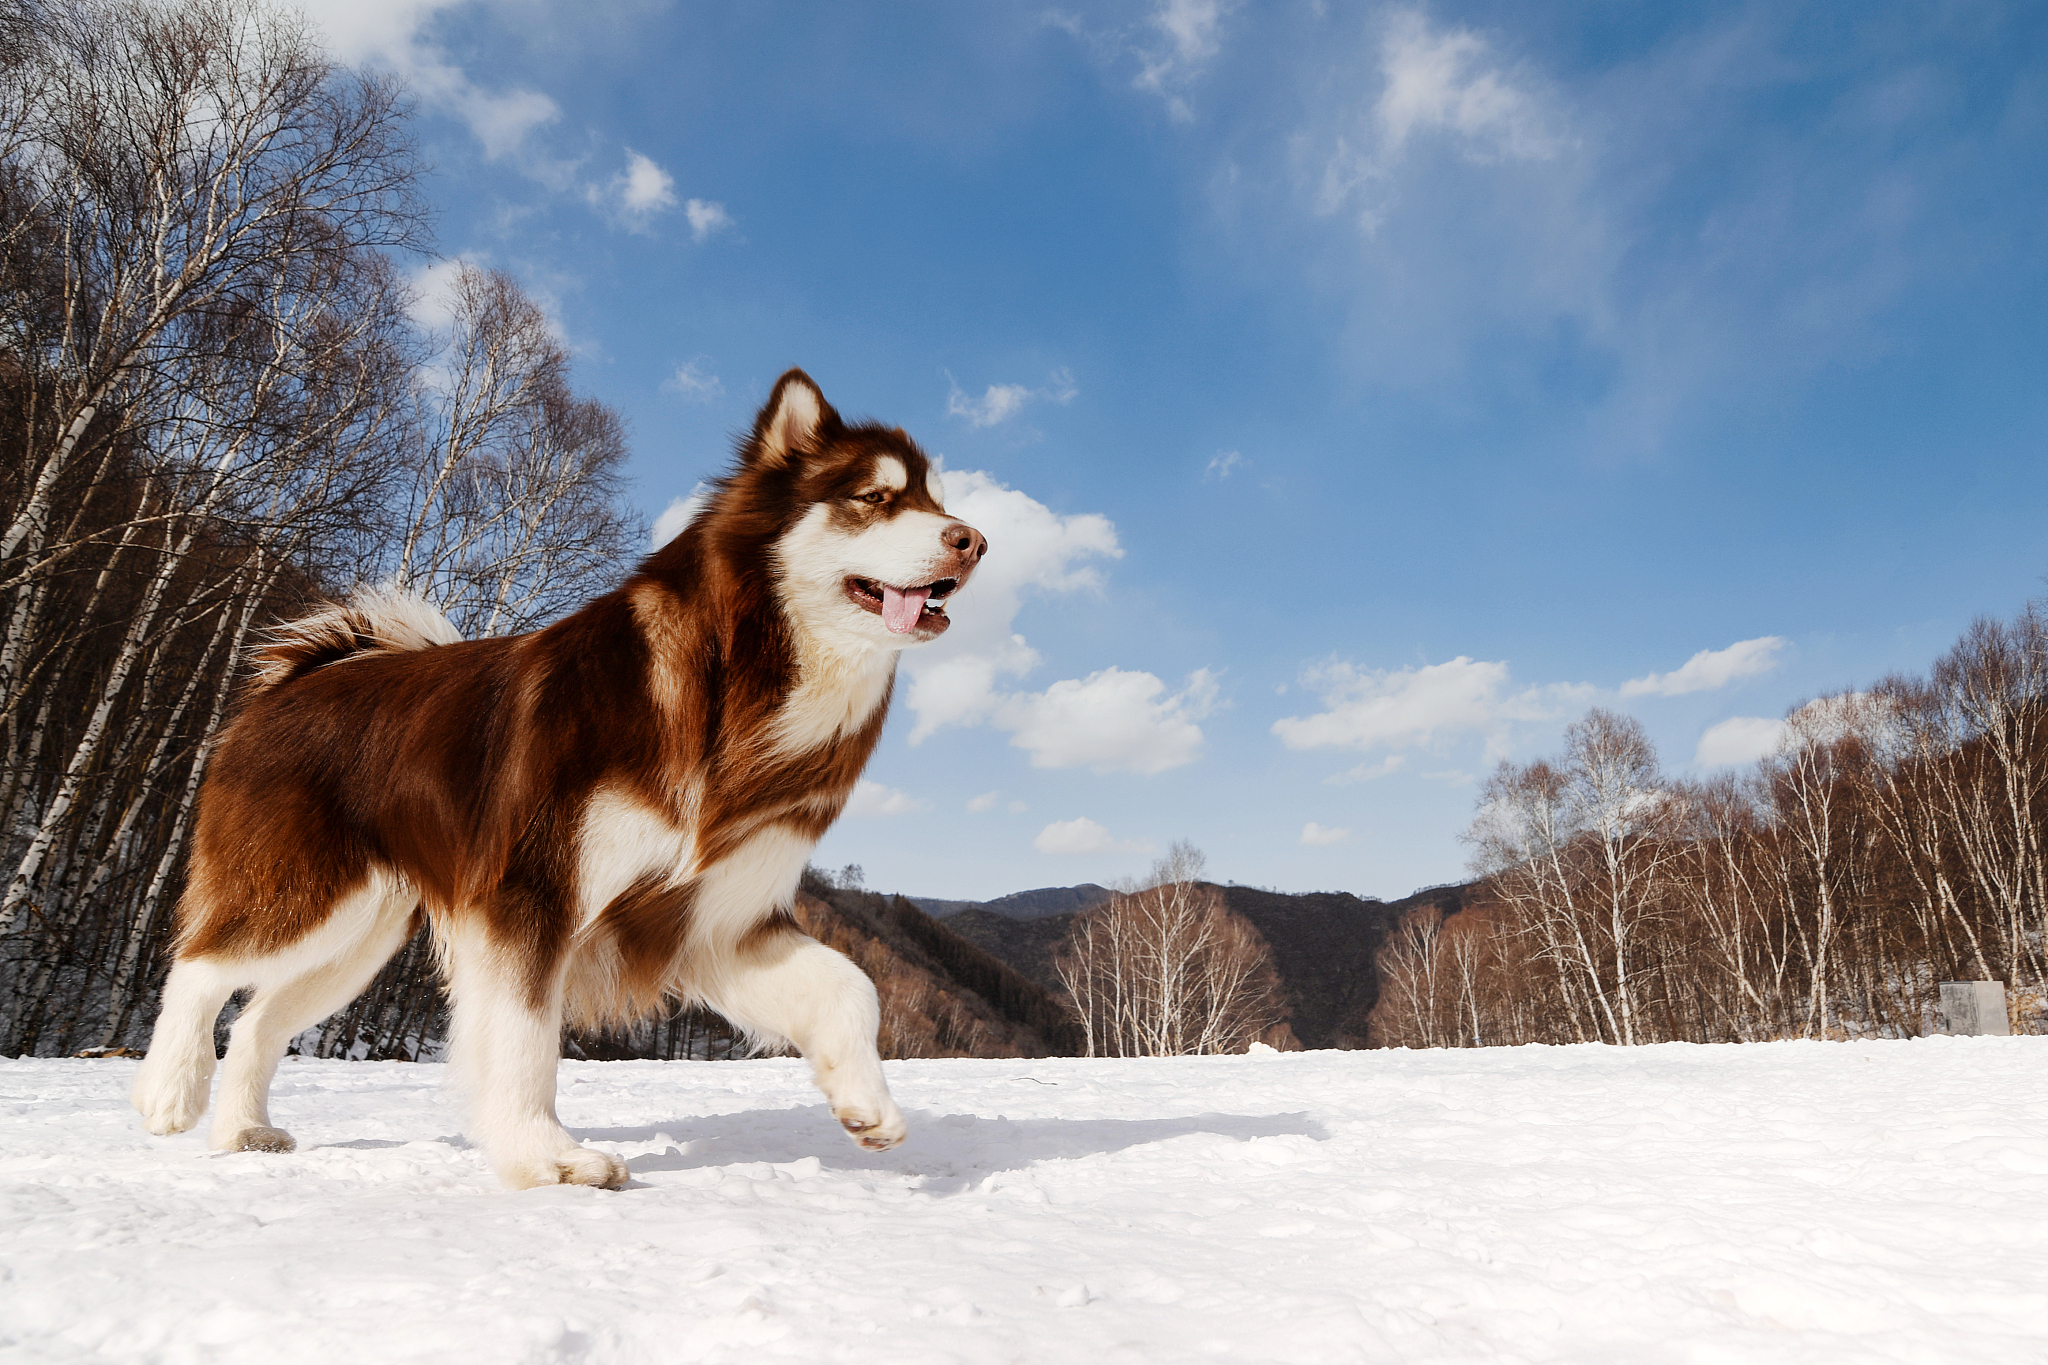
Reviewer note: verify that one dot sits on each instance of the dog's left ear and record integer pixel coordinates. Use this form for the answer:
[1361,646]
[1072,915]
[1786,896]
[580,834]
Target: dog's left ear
[790,421]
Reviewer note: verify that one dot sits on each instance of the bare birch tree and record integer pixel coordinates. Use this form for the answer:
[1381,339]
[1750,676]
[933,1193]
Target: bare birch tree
[1163,969]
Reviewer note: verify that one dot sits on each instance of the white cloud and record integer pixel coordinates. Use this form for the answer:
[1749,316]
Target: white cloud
[1414,707]
[1110,721]
[694,382]
[706,217]
[1439,80]
[987,801]
[391,33]
[646,187]
[1434,81]
[872,800]
[1710,668]
[679,514]
[1001,402]
[1315,836]
[1082,835]
[636,195]
[1739,740]
[1226,463]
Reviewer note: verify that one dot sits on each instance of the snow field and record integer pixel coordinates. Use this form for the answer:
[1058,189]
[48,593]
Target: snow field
[1808,1202]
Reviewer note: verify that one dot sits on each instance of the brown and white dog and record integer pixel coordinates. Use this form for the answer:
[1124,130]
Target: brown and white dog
[593,817]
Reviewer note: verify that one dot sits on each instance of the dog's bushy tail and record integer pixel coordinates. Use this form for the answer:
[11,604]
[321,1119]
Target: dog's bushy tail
[382,620]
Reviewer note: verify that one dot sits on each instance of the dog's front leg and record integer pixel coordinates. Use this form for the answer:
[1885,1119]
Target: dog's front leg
[505,1044]
[750,962]
[785,982]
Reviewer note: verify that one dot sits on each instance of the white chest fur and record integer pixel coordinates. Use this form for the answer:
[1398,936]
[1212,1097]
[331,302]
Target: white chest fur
[836,693]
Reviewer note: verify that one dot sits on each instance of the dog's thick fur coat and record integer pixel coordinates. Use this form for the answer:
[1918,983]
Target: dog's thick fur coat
[594,817]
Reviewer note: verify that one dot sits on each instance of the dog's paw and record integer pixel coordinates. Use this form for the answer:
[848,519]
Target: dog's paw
[170,1099]
[261,1139]
[576,1166]
[875,1128]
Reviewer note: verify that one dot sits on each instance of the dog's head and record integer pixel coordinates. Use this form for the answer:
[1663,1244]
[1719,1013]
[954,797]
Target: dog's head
[866,551]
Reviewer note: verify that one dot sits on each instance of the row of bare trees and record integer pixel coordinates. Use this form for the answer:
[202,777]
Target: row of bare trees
[215,405]
[1163,969]
[1896,838]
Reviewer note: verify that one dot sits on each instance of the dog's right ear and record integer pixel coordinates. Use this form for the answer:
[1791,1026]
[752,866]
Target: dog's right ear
[790,421]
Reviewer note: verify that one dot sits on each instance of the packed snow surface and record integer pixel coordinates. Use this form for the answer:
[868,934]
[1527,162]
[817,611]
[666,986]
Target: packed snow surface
[1802,1202]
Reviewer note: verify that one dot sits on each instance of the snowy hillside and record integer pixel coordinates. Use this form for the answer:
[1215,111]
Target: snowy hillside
[1793,1202]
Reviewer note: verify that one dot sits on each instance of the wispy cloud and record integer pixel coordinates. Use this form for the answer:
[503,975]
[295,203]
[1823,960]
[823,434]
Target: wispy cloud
[1435,82]
[694,382]
[1226,463]
[1367,772]
[1000,402]
[1710,668]
[1190,30]
[1448,80]
[1082,835]
[1171,48]
[1314,835]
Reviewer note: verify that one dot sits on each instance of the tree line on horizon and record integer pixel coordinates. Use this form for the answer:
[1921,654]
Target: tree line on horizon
[1894,839]
[219,402]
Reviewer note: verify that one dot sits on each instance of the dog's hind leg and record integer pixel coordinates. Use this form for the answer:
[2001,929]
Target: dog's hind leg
[170,1086]
[505,1043]
[367,928]
[749,961]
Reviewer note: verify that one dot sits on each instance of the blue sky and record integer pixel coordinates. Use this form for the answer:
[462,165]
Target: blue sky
[1352,394]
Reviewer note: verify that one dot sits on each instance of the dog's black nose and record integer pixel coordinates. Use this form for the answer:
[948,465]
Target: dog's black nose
[965,541]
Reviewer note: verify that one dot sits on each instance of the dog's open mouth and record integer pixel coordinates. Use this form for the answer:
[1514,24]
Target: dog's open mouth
[904,610]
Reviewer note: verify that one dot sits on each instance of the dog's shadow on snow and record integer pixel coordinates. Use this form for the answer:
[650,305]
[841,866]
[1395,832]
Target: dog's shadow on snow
[951,1152]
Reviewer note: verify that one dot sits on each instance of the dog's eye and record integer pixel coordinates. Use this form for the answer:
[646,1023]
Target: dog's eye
[878,496]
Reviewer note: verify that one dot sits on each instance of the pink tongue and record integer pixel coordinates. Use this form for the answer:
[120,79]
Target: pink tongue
[900,609]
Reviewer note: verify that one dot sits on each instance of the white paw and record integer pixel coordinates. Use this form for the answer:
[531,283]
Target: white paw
[576,1166]
[169,1099]
[875,1127]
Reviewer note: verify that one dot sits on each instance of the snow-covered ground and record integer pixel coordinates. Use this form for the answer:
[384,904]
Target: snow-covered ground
[1799,1202]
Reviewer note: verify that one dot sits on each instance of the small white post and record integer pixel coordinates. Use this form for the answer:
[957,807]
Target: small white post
[1974,1009]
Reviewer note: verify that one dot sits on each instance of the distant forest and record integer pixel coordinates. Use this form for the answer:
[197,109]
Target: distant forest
[1897,838]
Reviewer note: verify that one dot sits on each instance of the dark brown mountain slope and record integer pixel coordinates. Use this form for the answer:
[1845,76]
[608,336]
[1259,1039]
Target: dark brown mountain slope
[941,995]
[1026,944]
